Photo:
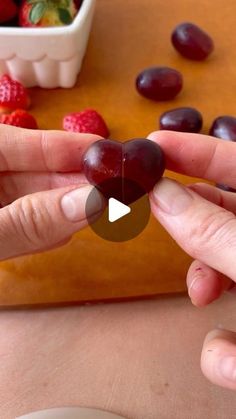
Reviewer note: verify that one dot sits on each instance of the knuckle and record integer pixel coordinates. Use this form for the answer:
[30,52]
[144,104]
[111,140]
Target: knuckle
[217,229]
[31,222]
[45,148]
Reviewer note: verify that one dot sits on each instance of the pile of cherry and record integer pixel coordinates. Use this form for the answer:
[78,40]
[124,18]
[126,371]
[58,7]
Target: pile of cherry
[164,83]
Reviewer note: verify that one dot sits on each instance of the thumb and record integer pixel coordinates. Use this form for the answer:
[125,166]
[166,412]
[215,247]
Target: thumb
[42,220]
[218,360]
[204,230]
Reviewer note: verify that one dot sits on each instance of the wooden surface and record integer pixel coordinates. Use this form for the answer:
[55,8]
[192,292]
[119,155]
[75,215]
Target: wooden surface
[127,37]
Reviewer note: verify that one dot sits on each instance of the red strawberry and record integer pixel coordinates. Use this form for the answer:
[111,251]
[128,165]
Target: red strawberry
[47,12]
[8,10]
[78,4]
[87,121]
[13,95]
[19,118]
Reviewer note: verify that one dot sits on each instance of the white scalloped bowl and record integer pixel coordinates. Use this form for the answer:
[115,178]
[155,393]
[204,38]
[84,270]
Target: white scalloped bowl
[46,57]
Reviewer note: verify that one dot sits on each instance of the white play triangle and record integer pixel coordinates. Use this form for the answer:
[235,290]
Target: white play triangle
[117,210]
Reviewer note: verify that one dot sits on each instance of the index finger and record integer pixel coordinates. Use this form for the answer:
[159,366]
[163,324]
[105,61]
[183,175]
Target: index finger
[39,151]
[198,155]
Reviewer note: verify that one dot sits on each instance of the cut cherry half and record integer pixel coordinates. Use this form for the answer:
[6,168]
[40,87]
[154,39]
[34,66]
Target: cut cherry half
[124,171]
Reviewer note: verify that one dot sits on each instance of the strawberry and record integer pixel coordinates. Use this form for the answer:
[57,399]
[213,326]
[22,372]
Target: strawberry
[78,4]
[47,12]
[19,118]
[87,121]
[8,10]
[13,95]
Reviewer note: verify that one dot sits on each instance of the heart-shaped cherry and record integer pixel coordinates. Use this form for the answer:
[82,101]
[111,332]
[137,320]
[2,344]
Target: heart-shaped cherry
[125,171]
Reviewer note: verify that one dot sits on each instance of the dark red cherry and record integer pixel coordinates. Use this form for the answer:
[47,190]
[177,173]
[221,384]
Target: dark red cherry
[181,119]
[224,127]
[159,83]
[143,162]
[192,42]
[124,171]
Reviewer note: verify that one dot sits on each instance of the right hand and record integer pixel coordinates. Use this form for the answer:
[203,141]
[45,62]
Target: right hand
[201,218]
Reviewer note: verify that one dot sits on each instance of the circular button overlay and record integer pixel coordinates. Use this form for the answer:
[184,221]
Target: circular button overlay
[126,210]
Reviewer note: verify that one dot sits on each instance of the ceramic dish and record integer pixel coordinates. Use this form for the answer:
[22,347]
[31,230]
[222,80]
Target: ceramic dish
[46,57]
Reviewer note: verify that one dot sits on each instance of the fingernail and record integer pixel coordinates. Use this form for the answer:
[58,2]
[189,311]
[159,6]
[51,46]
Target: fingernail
[220,333]
[171,197]
[71,413]
[213,334]
[227,368]
[73,203]
[195,285]
[152,136]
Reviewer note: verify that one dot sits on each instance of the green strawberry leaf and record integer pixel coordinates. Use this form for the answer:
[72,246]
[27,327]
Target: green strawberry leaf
[37,12]
[35,1]
[64,4]
[64,16]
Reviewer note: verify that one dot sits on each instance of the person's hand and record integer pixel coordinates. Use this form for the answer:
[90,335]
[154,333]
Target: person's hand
[201,218]
[42,192]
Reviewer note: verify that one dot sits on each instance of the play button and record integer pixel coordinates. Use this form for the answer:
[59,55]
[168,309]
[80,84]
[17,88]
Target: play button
[116,210]
[119,222]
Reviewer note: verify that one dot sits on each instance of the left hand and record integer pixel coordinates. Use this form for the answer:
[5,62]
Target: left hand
[43,191]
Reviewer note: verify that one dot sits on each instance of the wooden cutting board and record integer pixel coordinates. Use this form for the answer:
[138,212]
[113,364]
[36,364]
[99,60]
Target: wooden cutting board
[126,37]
